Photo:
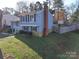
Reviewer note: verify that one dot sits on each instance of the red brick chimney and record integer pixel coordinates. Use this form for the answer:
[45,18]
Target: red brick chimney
[45,33]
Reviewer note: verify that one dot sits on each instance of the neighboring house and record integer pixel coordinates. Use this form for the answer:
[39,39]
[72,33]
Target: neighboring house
[8,18]
[39,23]
[59,16]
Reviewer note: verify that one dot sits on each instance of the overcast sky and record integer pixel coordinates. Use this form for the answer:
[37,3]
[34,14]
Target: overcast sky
[12,3]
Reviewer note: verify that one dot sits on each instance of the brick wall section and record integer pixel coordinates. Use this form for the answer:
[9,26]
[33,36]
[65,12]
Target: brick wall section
[45,20]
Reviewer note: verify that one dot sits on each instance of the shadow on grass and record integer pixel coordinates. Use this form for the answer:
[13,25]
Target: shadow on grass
[77,32]
[46,47]
[52,45]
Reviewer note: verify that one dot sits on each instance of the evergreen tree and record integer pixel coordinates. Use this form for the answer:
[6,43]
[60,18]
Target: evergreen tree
[58,3]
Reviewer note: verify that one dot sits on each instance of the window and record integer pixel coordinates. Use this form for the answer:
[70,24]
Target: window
[30,17]
[26,18]
[17,23]
[34,17]
[21,18]
[25,28]
[34,28]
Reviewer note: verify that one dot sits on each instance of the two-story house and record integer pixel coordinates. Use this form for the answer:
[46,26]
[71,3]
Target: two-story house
[40,23]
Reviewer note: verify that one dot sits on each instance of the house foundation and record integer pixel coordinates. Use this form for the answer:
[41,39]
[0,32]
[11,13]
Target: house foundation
[39,34]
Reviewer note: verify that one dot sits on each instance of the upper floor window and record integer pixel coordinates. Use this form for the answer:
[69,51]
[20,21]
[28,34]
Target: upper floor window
[23,18]
[20,18]
[31,18]
[26,18]
[34,17]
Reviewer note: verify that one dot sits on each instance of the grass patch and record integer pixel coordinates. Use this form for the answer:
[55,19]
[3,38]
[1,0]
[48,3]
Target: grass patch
[30,47]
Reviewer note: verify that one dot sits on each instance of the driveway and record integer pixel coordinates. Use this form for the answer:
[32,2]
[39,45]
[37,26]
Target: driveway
[2,35]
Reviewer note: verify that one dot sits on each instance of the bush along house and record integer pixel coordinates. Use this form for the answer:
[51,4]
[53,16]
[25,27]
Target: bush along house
[40,23]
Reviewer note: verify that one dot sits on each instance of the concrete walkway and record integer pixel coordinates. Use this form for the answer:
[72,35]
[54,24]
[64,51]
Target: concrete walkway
[3,35]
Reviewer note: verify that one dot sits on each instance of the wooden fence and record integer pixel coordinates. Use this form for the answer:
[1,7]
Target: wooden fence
[68,28]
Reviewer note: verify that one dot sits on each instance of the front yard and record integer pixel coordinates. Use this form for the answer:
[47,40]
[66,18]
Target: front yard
[29,47]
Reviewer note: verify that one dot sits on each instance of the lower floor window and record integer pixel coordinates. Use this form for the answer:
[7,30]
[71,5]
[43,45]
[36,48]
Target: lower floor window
[25,28]
[34,28]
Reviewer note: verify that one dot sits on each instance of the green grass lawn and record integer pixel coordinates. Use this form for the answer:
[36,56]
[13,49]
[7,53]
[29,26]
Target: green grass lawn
[30,47]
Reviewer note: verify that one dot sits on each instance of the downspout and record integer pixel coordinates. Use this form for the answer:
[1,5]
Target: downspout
[45,33]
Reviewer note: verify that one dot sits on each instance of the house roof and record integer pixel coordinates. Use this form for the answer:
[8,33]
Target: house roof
[30,25]
[27,13]
[7,19]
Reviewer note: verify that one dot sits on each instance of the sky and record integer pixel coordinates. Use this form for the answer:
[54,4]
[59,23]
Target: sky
[12,3]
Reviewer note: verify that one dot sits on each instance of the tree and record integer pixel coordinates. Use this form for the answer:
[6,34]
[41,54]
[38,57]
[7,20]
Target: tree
[72,8]
[58,3]
[1,15]
[22,6]
[50,3]
[16,13]
[1,19]
[32,6]
[8,10]
[75,15]
[58,6]
[38,6]
[12,11]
